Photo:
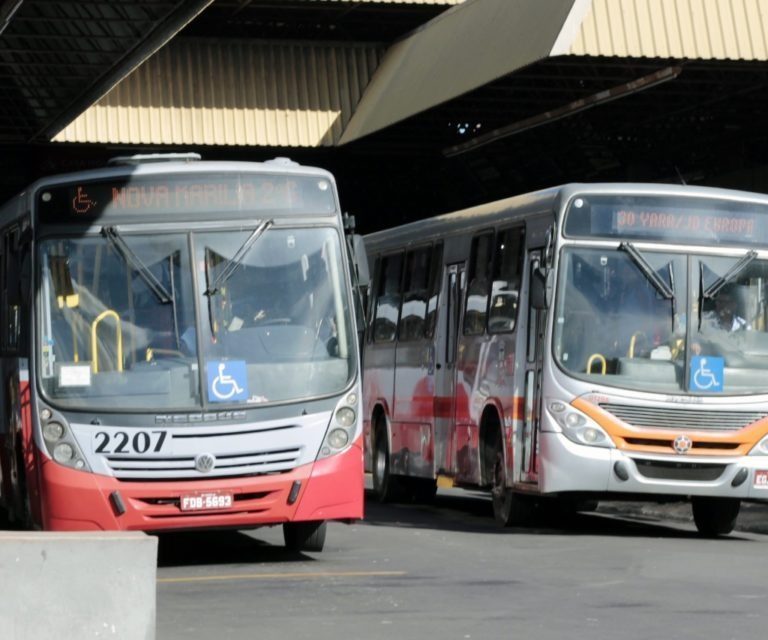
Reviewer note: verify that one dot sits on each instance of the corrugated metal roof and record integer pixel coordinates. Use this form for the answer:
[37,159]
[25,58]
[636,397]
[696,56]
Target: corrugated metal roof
[500,37]
[703,29]
[298,94]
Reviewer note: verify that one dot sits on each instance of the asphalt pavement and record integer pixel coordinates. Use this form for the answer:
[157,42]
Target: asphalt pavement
[753,516]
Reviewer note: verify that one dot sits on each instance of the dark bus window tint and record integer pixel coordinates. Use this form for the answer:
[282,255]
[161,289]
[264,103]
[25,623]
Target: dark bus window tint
[415,294]
[476,309]
[387,304]
[435,271]
[505,286]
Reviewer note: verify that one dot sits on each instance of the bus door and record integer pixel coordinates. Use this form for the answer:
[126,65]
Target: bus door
[534,354]
[412,437]
[454,283]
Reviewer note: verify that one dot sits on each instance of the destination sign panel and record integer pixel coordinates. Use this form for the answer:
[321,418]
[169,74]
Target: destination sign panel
[676,220]
[186,193]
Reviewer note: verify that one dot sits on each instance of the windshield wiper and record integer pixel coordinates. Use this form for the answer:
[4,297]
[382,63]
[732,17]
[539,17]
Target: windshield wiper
[234,262]
[667,291]
[712,290]
[136,264]
[647,270]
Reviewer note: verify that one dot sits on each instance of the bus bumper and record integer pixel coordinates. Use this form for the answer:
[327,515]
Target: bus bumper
[330,489]
[566,466]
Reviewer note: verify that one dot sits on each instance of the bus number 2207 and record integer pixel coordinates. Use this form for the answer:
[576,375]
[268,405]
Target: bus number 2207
[124,442]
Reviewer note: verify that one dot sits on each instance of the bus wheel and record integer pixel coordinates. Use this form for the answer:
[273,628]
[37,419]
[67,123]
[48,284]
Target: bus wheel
[509,508]
[304,536]
[20,512]
[715,516]
[385,486]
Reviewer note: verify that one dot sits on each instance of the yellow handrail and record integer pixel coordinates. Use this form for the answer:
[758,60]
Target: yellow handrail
[601,359]
[119,338]
[633,340]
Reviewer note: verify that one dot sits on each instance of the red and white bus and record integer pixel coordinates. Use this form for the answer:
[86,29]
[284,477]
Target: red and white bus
[179,350]
[582,343]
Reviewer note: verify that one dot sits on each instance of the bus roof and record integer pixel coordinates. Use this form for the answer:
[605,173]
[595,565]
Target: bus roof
[545,201]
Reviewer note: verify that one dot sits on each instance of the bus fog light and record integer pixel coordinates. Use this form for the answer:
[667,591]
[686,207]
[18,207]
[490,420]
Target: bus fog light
[338,438]
[63,453]
[53,431]
[345,417]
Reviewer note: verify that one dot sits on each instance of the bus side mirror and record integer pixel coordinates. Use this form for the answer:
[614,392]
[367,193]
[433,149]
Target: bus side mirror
[360,261]
[541,288]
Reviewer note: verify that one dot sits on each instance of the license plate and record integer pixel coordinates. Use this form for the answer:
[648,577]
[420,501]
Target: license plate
[207,501]
[761,479]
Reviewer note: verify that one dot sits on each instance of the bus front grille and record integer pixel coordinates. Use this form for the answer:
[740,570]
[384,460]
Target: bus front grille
[229,465]
[679,418]
[691,471]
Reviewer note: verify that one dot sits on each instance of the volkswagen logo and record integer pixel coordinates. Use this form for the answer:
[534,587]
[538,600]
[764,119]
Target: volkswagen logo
[682,444]
[205,462]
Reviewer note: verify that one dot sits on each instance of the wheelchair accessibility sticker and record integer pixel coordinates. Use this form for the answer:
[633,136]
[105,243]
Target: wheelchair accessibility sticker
[227,381]
[706,373]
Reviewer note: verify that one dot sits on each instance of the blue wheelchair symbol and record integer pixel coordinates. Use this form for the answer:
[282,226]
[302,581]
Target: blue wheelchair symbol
[227,381]
[707,373]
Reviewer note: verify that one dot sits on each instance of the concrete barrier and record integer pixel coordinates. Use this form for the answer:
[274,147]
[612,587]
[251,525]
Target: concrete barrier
[80,586]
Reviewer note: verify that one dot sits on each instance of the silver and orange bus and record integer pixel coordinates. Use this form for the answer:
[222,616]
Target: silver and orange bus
[179,350]
[582,343]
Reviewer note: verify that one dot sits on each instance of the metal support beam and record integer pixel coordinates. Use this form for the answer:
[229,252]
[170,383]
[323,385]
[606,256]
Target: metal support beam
[602,97]
[182,15]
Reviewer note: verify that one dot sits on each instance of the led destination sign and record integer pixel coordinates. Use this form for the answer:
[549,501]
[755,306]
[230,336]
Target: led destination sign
[667,219]
[221,193]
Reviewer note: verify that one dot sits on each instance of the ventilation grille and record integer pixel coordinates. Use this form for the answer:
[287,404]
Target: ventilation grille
[169,467]
[676,418]
[695,472]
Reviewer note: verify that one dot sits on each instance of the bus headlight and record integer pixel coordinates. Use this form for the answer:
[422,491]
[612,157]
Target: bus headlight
[338,438]
[344,426]
[761,448]
[53,431]
[345,416]
[60,441]
[578,427]
[63,453]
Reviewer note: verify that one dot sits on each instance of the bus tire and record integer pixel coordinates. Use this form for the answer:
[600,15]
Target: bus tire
[509,508]
[20,510]
[304,536]
[715,516]
[386,487]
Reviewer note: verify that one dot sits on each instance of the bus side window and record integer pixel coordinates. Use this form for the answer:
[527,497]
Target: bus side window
[387,302]
[505,286]
[435,273]
[415,294]
[11,304]
[476,309]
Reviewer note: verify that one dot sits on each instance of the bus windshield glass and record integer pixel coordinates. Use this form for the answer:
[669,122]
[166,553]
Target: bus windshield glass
[119,326]
[275,323]
[683,324]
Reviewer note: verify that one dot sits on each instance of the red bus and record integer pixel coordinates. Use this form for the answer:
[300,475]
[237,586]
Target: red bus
[578,344]
[179,350]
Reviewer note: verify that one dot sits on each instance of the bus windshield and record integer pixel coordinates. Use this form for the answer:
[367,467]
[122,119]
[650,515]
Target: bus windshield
[663,322]
[119,325]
